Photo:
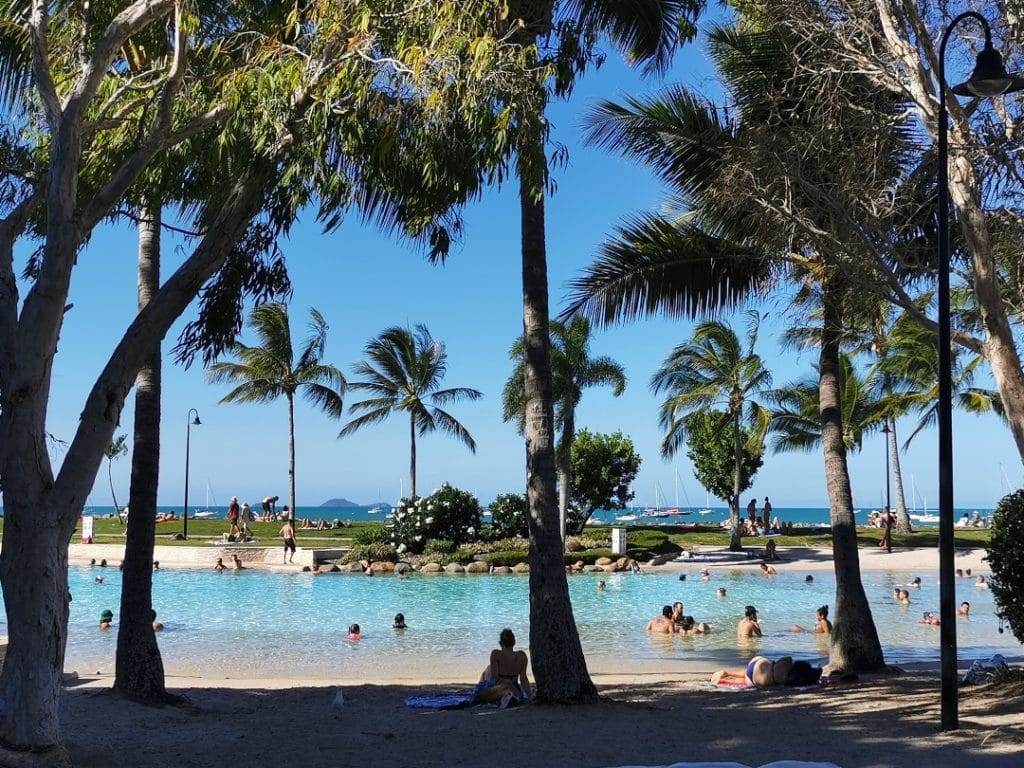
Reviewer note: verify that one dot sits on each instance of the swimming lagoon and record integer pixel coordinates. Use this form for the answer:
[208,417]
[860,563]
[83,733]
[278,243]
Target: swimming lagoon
[261,624]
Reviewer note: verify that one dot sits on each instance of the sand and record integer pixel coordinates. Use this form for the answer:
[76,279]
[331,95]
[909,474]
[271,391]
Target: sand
[887,719]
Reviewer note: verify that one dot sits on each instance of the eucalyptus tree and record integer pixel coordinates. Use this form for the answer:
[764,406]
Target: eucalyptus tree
[759,193]
[559,40]
[402,372]
[309,118]
[274,368]
[572,371]
[714,370]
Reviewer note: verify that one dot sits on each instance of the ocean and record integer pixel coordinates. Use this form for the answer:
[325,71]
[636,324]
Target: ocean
[799,516]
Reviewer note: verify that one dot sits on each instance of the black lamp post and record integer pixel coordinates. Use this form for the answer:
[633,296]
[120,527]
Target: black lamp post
[887,431]
[189,422]
[989,79]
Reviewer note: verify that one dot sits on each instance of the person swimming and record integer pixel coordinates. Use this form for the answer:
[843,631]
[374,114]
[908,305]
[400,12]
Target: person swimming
[399,621]
[354,633]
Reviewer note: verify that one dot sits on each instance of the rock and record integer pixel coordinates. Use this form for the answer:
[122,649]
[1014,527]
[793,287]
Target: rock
[572,544]
[353,568]
[478,566]
[403,567]
[622,564]
[592,568]
[430,568]
[334,569]
[383,566]
[501,569]
[578,565]
[521,568]
[603,561]
[454,568]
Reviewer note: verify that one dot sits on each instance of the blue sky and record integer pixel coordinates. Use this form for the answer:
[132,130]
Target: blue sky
[363,282]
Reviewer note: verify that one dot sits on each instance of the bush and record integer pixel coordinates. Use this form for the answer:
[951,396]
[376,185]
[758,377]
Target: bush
[1006,557]
[449,514]
[510,515]
[438,547]
[372,552]
[373,535]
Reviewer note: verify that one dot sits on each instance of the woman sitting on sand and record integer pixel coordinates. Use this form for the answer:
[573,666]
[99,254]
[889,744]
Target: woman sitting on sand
[761,672]
[505,679]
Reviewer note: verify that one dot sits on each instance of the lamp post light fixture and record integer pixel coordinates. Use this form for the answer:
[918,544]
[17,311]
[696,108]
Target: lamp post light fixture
[189,423]
[887,431]
[988,79]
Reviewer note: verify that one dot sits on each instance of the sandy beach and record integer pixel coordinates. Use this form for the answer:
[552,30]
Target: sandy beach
[889,719]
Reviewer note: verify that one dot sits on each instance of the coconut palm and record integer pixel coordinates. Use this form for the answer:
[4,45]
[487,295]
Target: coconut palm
[117,448]
[572,371]
[748,206]
[714,370]
[560,37]
[270,370]
[403,372]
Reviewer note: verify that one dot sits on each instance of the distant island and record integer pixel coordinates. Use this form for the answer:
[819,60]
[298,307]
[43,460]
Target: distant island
[347,503]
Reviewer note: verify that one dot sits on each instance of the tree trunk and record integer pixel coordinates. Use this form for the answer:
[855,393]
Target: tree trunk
[110,478]
[854,640]
[902,517]
[735,539]
[139,671]
[558,662]
[564,458]
[412,456]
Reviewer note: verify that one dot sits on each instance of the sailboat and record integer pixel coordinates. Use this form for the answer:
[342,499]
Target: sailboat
[205,514]
[707,510]
[925,516]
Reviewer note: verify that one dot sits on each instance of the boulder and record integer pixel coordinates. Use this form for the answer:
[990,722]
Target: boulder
[403,567]
[521,568]
[501,569]
[383,566]
[454,568]
[430,568]
[478,566]
[572,544]
[592,568]
[603,561]
[622,564]
[353,568]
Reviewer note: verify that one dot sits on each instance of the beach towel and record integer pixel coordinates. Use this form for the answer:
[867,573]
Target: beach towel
[440,701]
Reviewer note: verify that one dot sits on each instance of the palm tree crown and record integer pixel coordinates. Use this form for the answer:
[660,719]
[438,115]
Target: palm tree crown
[403,371]
[269,370]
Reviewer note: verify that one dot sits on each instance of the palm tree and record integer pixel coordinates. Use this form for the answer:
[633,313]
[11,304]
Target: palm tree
[572,370]
[266,372]
[403,372]
[751,207]
[648,31]
[117,448]
[714,370]
[796,415]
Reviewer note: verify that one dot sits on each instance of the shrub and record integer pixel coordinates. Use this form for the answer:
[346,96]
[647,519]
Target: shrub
[449,514]
[510,515]
[456,515]
[372,552]
[1006,557]
[438,547]
[377,534]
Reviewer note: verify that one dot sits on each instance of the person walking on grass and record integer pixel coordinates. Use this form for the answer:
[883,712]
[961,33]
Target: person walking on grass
[288,534]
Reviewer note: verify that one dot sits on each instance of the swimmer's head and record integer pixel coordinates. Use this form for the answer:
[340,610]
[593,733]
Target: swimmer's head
[353,629]
[750,612]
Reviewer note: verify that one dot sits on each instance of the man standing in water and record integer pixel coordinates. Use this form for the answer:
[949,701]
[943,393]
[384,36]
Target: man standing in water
[288,534]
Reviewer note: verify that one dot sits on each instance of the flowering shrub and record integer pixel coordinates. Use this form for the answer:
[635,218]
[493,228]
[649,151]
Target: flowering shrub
[510,515]
[449,514]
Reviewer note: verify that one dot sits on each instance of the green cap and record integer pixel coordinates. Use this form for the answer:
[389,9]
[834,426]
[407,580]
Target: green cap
[107,616]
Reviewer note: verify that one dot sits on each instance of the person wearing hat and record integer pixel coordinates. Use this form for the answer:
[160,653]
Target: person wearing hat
[106,619]
[233,513]
[748,626]
[245,518]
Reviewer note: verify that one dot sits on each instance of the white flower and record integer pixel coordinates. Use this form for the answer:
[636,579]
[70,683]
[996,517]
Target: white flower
[418,537]
[470,531]
[430,520]
[401,548]
[430,507]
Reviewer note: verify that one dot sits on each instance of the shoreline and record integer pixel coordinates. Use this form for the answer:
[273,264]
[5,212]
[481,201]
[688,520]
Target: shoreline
[805,558]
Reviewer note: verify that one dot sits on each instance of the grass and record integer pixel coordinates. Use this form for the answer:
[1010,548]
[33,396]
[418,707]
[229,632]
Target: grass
[643,541]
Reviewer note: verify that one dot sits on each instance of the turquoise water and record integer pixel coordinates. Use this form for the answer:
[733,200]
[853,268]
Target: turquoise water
[261,624]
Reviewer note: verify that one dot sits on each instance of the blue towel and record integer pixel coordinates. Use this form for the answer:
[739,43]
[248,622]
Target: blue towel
[440,701]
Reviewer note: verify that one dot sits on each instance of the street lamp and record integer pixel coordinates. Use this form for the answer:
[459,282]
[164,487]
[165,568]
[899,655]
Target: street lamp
[189,422]
[886,431]
[988,79]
